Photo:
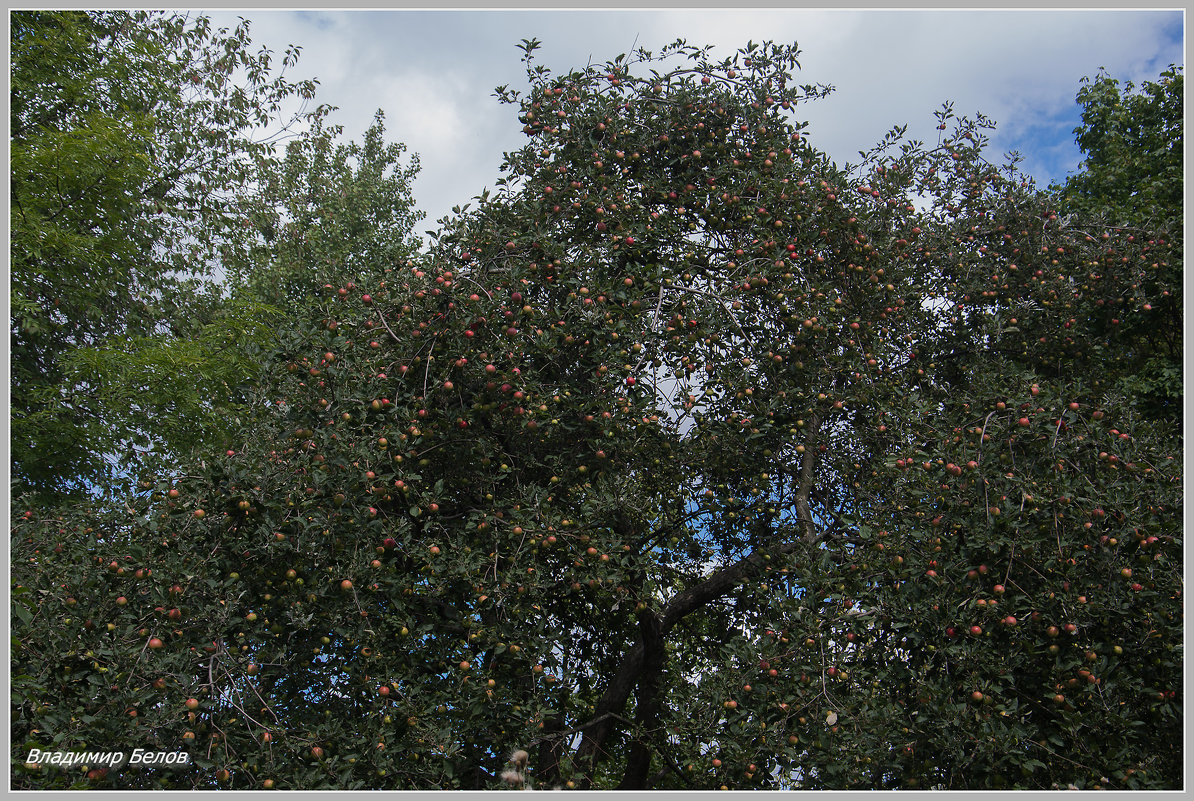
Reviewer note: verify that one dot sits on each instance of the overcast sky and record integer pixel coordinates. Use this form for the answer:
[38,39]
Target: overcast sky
[433,72]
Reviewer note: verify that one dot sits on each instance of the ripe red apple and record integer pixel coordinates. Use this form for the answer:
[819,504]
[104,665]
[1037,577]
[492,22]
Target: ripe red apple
[346,585]
[155,643]
[192,703]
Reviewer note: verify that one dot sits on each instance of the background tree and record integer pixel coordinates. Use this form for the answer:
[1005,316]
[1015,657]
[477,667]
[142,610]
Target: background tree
[326,210]
[687,459]
[1131,179]
[134,138]
[330,209]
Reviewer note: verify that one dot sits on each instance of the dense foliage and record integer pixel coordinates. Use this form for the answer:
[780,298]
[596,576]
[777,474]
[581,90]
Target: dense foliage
[135,139]
[687,459]
[1131,181]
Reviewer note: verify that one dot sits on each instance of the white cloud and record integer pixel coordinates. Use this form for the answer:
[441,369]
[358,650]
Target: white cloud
[433,72]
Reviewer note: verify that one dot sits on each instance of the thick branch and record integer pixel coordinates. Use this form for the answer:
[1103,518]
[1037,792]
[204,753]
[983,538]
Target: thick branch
[718,584]
[807,463]
[634,665]
[647,703]
[607,710]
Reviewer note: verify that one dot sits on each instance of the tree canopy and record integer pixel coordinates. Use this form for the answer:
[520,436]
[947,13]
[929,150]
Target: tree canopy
[135,139]
[685,459]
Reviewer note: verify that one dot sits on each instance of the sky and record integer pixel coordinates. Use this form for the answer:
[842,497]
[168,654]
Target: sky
[433,73]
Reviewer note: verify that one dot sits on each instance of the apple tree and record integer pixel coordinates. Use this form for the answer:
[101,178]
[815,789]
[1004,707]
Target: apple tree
[686,459]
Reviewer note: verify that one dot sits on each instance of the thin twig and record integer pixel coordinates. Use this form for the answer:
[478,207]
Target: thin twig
[382,317]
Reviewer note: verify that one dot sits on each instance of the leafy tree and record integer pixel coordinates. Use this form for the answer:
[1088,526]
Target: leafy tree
[134,138]
[687,459]
[327,210]
[1132,140]
[342,211]
[1131,179]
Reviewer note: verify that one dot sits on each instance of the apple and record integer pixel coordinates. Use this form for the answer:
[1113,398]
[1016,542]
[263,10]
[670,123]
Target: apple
[346,585]
[155,643]
[191,703]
